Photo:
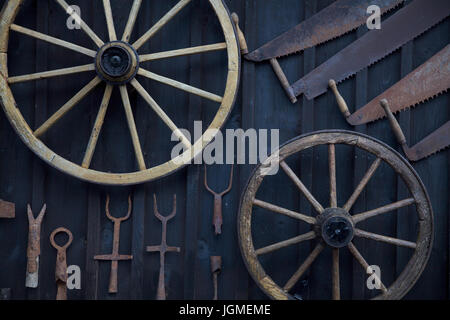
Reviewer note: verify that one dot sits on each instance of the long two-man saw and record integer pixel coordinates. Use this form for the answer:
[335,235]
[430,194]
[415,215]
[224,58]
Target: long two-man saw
[405,25]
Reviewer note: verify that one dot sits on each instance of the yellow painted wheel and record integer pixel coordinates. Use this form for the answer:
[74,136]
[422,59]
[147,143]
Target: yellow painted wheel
[117,63]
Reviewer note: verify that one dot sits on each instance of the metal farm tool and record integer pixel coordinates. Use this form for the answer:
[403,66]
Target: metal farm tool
[34,247]
[115,257]
[435,142]
[61,263]
[7,209]
[163,248]
[373,46]
[333,225]
[216,269]
[333,21]
[425,82]
[217,216]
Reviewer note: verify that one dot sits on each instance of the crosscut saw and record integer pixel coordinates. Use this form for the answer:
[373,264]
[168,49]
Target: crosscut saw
[403,26]
[425,82]
[435,142]
[341,17]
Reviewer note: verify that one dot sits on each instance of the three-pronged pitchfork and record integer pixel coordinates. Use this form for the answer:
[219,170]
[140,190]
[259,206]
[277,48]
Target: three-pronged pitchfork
[163,247]
[115,257]
[217,217]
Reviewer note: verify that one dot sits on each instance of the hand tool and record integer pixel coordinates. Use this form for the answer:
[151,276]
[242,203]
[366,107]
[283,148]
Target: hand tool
[115,257]
[240,34]
[217,217]
[425,82]
[163,247]
[216,269]
[5,294]
[435,142]
[7,210]
[61,263]
[340,17]
[34,247]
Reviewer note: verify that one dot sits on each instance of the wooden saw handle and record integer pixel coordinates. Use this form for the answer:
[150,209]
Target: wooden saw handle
[393,122]
[240,34]
[339,99]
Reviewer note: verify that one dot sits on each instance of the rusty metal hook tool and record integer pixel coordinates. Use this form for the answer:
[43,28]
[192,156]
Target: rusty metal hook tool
[163,247]
[34,247]
[217,217]
[61,263]
[216,269]
[115,257]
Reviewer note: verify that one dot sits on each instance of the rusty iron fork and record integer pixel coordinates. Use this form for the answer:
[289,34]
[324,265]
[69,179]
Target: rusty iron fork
[115,257]
[216,269]
[217,217]
[61,263]
[163,247]
[34,247]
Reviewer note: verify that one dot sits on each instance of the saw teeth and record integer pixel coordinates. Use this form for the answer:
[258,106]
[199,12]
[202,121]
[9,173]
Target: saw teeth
[339,35]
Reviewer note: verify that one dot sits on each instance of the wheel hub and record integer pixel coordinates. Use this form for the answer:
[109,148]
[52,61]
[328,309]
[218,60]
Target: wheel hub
[336,227]
[117,62]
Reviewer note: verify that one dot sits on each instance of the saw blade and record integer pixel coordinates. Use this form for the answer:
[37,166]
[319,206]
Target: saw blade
[340,17]
[425,82]
[435,142]
[405,25]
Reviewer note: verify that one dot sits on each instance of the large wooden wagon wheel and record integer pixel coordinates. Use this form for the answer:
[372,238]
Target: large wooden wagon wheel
[332,225]
[118,63]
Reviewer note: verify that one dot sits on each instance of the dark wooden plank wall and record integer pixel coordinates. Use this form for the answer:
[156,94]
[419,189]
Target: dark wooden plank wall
[261,104]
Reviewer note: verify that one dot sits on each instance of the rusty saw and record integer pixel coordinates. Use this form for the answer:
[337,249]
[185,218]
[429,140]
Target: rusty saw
[340,17]
[435,142]
[403,26]
[425,82]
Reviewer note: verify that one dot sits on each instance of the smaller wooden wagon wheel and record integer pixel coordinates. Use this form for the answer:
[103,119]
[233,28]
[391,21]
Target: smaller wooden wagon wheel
[333,226]
[118,63]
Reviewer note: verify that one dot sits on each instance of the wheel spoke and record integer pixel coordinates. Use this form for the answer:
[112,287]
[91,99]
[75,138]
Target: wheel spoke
[182,52]
[131,20]
[301,270]
[384,209]
[166,18]
[286,212]
[335,275]
[83,25]
[109,20]
[364,264]
[180,85]
[301,186]
[362,184]
[282,244]
[67,107]
[50,74]
[132,127]
[379,237]
[52,40]
[97,127]
[152,103]
[332,169]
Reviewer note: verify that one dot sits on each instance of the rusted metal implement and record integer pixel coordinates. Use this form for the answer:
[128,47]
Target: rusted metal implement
[7,209]
[61,263]
[217,216]
[216,269]
[331,22]
[334,225]
[34,247]
[115,257]
[425,82]
[163,248]
[118,63]
[435,142]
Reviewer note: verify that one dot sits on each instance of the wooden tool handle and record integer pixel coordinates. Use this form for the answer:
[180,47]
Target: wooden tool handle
[240,34]
[113,277]
[393,122]
[339,99]
[217,217]
[284,81]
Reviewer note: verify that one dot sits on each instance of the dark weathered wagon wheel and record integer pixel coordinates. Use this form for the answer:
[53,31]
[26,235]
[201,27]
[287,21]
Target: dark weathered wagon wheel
[117,63]
[333,225]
